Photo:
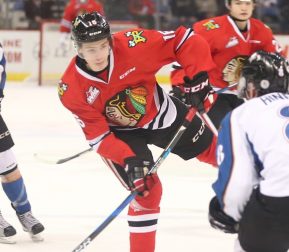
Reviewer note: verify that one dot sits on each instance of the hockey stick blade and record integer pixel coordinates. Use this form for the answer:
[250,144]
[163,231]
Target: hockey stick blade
[62,160]
[189,117]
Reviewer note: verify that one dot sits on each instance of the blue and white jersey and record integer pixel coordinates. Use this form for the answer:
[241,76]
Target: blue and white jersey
[2,69]
[253,149]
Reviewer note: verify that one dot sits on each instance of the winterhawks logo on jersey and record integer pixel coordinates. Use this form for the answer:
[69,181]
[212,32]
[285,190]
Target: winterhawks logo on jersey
[210,25]
[91,94]
[127,107]
[62,87]
[136,38]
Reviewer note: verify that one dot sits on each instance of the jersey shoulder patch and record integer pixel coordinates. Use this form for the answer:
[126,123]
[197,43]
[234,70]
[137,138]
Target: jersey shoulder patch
[210,25]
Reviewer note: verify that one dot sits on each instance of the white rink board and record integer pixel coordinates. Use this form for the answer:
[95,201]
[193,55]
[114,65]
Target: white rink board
[72,199]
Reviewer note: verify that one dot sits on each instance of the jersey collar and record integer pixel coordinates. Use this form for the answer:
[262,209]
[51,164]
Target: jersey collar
[237,30]
[85,73]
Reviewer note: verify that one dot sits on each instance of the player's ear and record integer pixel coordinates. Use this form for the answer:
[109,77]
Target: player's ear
[229,8]
[79,52]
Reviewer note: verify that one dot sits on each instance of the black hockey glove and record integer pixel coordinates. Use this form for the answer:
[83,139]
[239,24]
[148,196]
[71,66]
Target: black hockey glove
[197,90]
[136,170]
[178,92]
[219,220]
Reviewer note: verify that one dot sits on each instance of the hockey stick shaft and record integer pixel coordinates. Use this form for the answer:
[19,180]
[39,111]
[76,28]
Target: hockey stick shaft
[105,223]
[63,160]
[222,90]
[207,120]
[191,113]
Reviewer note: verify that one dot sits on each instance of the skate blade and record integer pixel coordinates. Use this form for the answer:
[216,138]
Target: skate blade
[7,240]
[36,238]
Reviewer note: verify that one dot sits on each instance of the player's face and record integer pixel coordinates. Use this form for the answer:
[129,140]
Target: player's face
[95,54]
[241,10]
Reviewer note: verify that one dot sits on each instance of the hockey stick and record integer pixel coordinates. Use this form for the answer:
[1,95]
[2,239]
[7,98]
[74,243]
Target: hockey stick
[207,120]
[62,160]
[222,90]
[191,113]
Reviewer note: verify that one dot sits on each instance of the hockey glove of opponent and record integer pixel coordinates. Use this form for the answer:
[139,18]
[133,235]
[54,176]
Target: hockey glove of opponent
[136,170]
[197,90]
[219,220]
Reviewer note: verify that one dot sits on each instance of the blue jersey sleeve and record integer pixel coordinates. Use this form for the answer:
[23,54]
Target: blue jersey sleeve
[2,70]
[224,161]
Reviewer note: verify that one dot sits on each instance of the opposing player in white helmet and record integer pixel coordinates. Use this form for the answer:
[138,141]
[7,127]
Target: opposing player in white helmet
[252,189]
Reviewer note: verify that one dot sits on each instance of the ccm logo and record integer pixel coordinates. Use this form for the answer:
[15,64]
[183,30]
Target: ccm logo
[199,133]
[127,73]
[196,88]
[5,134]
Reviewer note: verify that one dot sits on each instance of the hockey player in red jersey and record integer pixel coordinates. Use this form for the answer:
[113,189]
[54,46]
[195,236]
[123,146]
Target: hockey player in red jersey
[71,11]
[111,89]
[232,38]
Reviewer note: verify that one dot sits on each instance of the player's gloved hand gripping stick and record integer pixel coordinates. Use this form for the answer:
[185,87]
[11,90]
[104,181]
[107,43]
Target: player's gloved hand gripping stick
[137,170]
[197,90]
[191,113]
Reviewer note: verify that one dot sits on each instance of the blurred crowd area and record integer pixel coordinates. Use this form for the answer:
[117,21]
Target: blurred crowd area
[158,14]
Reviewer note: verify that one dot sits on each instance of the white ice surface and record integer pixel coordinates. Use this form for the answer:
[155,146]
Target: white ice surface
[72,199]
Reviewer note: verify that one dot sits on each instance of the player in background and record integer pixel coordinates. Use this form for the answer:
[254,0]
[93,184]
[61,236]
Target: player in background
[111,89]
[232,38]
[71,11]
[252,189]
[12,181]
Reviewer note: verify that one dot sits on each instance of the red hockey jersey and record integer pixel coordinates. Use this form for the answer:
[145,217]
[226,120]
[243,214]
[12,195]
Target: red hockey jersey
[230,47]
[75,8]
[130,98]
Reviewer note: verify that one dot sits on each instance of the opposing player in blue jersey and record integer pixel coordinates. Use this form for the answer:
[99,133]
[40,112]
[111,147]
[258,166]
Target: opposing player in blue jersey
[252,189]
[12,181]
